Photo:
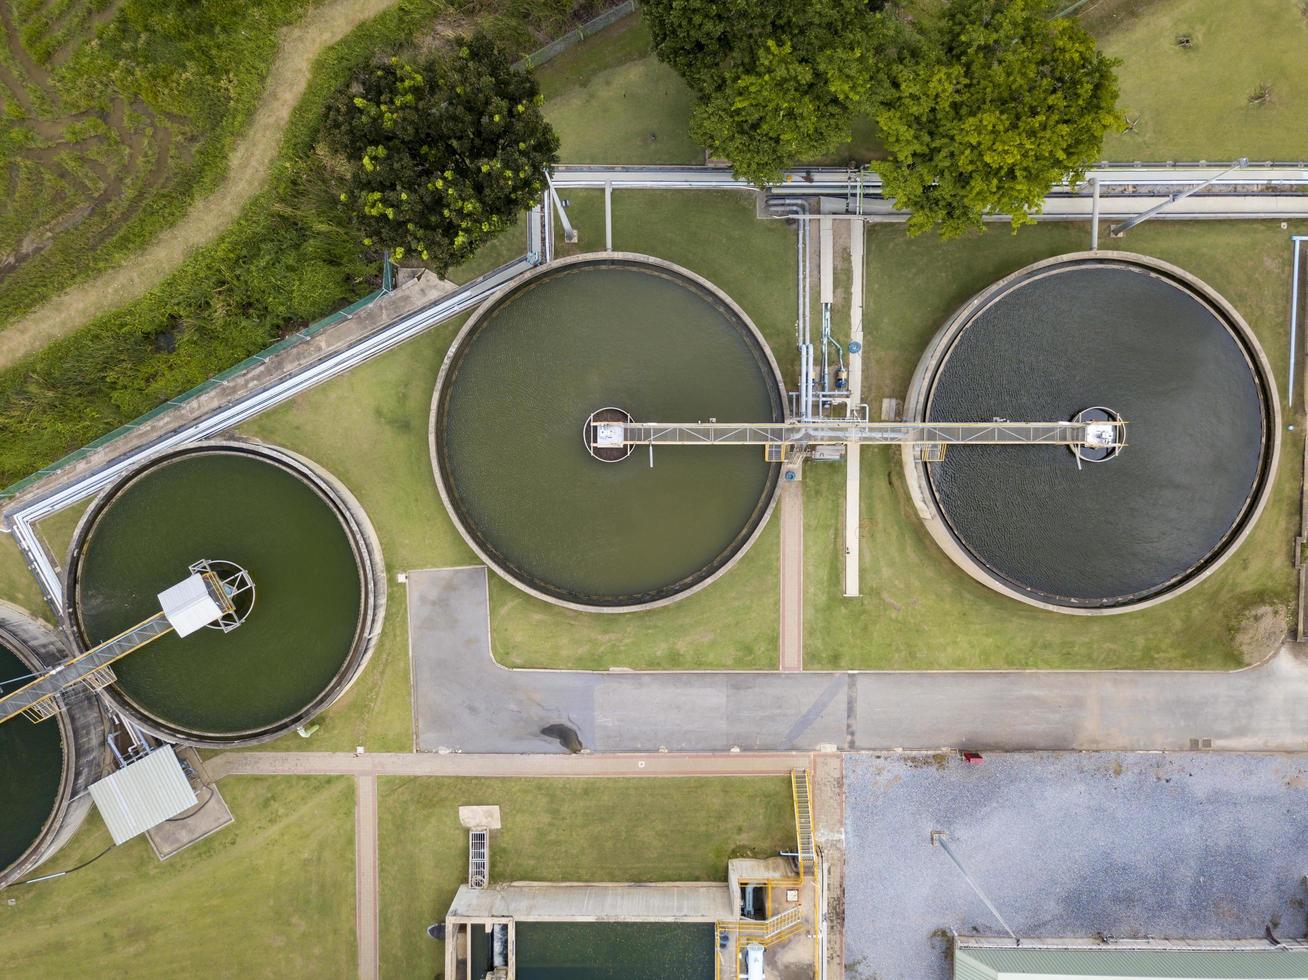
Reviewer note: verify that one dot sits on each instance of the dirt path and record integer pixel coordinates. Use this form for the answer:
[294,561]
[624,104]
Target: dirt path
[247,171]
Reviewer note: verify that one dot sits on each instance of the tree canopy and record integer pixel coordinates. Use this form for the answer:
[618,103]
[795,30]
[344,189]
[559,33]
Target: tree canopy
[995,105]
[440,153]
[775,81]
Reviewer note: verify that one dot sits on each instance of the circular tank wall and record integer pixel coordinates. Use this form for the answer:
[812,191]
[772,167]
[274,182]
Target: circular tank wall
[634,335]
[47,766]
[1144,339]
[319,584]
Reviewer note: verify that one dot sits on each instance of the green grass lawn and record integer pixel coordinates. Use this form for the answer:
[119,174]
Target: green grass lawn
[918,611]
[16,583]
[612,101]
[272,895]
[561,830]
[1194,103]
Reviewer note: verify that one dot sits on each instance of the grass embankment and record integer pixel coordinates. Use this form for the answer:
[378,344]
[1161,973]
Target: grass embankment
[918,611]
[116,116]
[272,895]
[561,830]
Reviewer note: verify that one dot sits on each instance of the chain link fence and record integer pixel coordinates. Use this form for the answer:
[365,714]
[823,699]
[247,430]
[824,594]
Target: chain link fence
[591,27]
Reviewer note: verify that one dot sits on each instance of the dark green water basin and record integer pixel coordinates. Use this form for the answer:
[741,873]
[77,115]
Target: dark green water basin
[247,509]
[509,424]
[31,766]
[615,950]
[1198,435]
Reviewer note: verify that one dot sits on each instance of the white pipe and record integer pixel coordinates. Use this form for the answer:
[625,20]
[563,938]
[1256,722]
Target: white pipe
[1294,315]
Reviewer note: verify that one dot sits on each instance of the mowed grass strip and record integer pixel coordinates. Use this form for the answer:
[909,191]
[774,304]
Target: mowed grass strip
[676,829]
[918,610]
[271,895]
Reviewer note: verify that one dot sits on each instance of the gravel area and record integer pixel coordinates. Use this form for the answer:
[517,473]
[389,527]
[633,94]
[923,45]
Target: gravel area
[1176,845]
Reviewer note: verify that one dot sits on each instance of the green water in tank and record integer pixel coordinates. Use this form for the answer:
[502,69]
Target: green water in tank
[615,950]
[31,764]
[245,509]
[519,392]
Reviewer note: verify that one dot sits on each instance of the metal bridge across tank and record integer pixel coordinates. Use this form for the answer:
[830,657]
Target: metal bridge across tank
[205,599]
[91,670]
[826,431]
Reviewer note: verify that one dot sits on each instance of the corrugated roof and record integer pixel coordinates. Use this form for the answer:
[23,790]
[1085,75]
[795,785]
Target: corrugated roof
[1002,963]
[143,794]
[189,606]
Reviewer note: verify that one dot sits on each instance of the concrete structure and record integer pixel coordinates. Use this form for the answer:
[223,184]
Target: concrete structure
[81,731]
[918,480]
[367,553]
[143,794]
[444,482]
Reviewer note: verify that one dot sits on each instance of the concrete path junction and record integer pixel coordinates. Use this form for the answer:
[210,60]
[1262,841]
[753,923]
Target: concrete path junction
[466,702]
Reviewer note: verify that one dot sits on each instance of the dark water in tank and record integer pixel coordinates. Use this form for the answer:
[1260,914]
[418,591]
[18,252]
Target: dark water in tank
[264,518]
[615,950]
[581,339]
[31,765]
[1124,528]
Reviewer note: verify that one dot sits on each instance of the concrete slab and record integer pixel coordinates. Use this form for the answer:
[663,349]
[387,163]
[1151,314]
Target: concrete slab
[589,902]
[210,815]
[465,702]
[1186,845]
[479,817]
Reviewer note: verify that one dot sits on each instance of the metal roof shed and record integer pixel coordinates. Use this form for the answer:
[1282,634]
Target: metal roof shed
[143,794]
[1235,961]
[188,605]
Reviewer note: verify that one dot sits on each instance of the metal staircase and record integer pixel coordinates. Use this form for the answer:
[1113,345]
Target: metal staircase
[478,858]
[804,846]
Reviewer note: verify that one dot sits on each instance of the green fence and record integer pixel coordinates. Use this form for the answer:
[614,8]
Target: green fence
[592,26]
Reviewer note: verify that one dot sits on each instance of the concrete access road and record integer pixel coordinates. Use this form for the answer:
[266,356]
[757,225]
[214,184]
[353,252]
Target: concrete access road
[465,702]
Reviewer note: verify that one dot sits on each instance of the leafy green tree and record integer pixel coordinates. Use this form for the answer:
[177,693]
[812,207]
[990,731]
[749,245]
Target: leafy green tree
[441,154]
[995,105]
[775,81]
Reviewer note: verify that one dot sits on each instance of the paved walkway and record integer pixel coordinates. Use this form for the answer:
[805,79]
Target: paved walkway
[560,766]
[475,705]
[792,575]
[366,879]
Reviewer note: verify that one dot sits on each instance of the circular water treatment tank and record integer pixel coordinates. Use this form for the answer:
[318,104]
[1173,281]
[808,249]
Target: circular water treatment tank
[1126,335]
[620,335]
[314,562]
[44,766]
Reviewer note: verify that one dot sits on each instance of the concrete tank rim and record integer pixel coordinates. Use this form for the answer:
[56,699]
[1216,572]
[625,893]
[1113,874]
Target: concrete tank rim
[918,481]
[364,544]
[62,819]
[473,322]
